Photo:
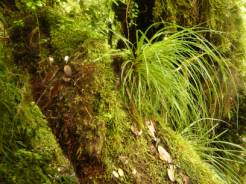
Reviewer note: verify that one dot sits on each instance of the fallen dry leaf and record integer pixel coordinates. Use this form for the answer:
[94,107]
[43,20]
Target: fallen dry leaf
[115,174]
[134,172]
[136,132]
[151,128]
[171,173]
[164,155]
[121,172]
[186,179]
[124,159]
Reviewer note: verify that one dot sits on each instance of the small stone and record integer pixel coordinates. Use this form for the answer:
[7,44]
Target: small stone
[67,71]
[121,172]
[115,174]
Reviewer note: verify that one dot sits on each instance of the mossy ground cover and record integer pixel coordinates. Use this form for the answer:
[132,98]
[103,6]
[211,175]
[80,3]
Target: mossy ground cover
[97,127]
[28,150]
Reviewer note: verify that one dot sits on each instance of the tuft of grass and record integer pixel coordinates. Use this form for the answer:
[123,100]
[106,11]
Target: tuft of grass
[225,157]
[182,76]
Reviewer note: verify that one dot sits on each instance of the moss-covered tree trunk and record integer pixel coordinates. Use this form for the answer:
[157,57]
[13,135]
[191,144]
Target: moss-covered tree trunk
[83,105]
[70,103]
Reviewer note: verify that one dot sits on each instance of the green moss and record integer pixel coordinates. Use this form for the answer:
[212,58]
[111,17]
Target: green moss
[219,15]
[187,158]
[108,137]
[28,150]
[69,33]
[88,113]
[121,148]
[178,11]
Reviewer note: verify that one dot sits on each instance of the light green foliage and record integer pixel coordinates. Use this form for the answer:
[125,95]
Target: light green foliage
[33,5]
[70,32]
[188,158]
[122,150]
[76,33]
[222,154]
[183,79]
[29,5]
[191,147]
[180,78]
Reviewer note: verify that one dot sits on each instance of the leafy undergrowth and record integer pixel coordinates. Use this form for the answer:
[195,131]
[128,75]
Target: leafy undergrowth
[28,150]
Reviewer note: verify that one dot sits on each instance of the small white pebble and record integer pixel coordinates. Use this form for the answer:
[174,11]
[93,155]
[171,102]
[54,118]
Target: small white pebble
[115,174]
[121,172]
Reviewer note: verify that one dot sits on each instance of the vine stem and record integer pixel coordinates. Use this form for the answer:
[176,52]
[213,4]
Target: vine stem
[127,25]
